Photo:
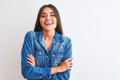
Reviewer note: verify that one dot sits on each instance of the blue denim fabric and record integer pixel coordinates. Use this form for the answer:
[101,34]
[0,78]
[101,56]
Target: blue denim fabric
[34,44]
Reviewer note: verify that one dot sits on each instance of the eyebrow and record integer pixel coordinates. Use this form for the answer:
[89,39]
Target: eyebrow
[46,13]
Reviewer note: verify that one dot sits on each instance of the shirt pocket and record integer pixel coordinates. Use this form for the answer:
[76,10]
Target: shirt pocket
[39,56]
[56,59]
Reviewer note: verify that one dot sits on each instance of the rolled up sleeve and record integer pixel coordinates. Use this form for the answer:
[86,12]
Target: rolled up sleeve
[28,71]
[68,54]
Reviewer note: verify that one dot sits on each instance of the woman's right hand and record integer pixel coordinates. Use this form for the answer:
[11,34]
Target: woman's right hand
[31,60]
[65,65]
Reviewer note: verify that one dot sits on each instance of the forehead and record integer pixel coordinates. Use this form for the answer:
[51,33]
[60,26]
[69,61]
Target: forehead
[47,10]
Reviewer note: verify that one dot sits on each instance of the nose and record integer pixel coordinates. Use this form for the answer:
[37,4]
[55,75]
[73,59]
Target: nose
[48,17]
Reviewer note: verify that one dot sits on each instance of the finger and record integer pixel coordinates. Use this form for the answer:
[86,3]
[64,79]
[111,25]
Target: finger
[29,62]
[69,67]
[29,59]
[70,63]
[30,56]
[69,59]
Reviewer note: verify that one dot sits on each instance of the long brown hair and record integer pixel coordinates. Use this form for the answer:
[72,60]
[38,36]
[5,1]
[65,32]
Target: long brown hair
[59,24]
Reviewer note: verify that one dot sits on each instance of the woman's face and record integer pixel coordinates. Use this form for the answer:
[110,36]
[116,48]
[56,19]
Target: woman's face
[48,19]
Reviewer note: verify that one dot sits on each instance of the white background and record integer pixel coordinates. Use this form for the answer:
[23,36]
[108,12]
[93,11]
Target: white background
[93,26]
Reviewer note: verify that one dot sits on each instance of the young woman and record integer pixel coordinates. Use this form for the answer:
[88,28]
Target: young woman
[46,53]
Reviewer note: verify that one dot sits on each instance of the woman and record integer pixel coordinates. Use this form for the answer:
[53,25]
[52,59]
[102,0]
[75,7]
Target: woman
[46,53]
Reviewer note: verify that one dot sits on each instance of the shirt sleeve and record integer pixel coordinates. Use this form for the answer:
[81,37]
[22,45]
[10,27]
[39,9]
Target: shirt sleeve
[68,50]
[28,71]
[68,54]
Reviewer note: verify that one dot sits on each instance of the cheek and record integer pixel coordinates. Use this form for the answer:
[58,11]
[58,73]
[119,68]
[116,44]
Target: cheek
[41,21]
[55,20]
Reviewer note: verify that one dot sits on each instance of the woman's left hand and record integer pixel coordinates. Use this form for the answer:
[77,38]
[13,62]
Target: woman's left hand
[31,60]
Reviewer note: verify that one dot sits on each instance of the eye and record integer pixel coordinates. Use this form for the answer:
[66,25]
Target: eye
[52,14]
[42,16]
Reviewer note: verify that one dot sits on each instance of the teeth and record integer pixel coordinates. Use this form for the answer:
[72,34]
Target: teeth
[48,22]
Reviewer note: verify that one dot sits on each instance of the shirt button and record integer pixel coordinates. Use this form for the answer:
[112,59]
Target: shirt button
[53,55]
[39,52]
[46,56]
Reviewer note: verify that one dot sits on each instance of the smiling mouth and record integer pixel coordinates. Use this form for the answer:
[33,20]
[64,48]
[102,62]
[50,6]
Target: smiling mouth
[48,22]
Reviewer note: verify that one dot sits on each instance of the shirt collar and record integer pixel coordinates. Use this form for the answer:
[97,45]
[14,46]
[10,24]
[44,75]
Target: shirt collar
[57,38]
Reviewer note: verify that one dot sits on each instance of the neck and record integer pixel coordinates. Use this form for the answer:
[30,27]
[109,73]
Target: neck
[48,35]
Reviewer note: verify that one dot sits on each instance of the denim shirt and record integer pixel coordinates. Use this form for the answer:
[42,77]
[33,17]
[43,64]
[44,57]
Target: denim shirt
[60,50]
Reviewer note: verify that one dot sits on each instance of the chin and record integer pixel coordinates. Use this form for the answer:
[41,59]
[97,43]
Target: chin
[49,29]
